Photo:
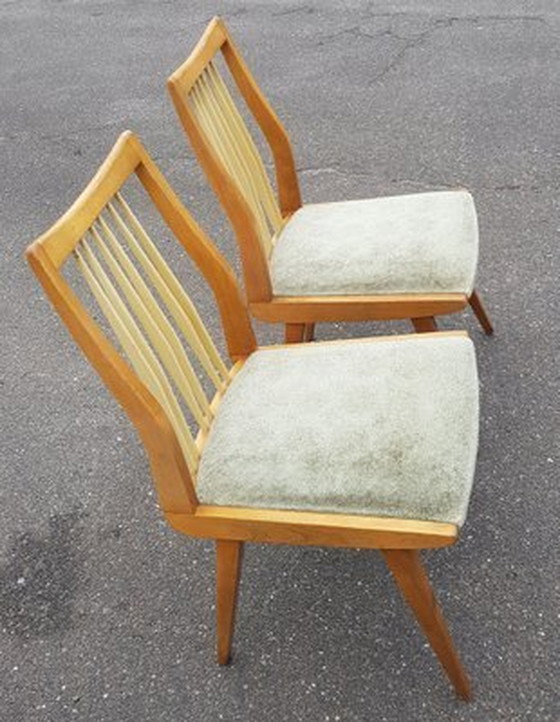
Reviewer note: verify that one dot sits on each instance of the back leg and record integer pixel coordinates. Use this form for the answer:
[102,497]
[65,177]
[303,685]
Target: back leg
[426,324]
[299,332]
[480,312]
[294,333]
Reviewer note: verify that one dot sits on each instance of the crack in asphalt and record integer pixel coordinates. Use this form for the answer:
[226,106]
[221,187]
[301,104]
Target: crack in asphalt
[306,9]
[412,41]
[463,18]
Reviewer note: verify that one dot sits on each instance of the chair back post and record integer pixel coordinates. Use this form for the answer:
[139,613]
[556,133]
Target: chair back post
[254,262]
[240,337]
[286,176]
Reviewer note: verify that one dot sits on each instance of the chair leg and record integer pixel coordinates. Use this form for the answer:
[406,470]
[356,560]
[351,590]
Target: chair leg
[295,332]
[408,572]
[228,568]
[424,324]
[480,312]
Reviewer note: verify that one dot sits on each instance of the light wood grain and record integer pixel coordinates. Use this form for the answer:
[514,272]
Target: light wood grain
[425,324]
[209,44]
[480,312]
[411,578]
[63,236]
[309,332]
[254,260]
[228,569]
[173,480]
[294,332]
[240,337]
[315,309]
[313,528]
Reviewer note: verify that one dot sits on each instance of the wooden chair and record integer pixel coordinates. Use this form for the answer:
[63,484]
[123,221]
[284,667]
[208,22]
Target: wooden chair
[368,443]
[409,256]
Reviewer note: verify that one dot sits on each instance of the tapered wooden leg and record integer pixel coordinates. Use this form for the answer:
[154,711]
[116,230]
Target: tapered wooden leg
[411,578]
[295,332]
[480,312]
[424,324]
[228,567]
[309,334]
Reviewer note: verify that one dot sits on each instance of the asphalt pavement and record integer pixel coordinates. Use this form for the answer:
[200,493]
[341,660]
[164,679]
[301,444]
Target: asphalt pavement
[105,613]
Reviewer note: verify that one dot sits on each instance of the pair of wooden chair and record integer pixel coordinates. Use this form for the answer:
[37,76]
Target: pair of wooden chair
[367,443]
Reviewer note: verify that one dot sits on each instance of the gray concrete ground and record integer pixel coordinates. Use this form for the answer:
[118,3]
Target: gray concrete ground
[105,614]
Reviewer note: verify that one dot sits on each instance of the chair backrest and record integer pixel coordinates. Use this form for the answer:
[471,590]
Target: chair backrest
[227,151]
[154,324]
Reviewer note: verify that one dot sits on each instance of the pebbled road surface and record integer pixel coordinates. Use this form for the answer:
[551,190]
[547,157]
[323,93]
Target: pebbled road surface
[105,614]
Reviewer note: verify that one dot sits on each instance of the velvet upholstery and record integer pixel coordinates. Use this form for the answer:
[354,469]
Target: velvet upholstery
[384,428]
[420,243]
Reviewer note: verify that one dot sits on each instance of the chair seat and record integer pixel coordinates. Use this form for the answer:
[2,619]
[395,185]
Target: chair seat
[420,243]
[373,427]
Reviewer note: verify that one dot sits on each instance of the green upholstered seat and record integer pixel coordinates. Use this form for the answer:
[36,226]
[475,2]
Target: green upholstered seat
[383,428]
[420,243]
